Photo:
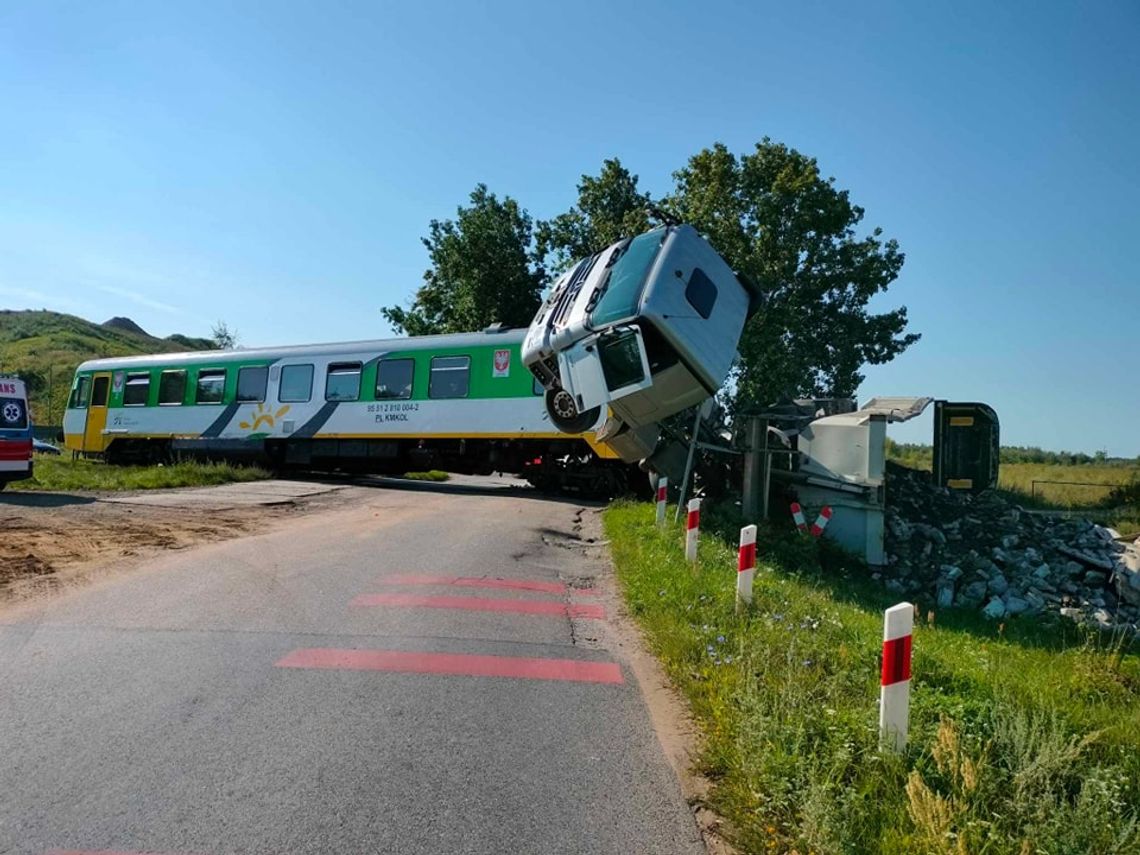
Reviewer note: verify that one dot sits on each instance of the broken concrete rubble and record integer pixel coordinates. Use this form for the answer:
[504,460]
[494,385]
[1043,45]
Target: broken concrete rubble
[982,551]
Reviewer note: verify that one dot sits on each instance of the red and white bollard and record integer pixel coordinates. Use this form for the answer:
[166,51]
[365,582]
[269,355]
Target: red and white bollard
[662,495]
[798,516]
[692,529]
[894,695]
[821,521]
[746,566]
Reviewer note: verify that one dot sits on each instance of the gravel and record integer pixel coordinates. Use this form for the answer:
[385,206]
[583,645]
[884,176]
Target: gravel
[984,552]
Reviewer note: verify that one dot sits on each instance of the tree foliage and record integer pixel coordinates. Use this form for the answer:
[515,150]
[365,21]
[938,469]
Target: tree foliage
[482,271]
[223,337]
[609,208]
[769,212]
[775,219]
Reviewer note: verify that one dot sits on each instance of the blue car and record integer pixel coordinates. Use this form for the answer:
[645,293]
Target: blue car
[41,447]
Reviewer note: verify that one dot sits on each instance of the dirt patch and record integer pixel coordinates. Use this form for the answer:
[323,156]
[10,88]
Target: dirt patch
[52,544]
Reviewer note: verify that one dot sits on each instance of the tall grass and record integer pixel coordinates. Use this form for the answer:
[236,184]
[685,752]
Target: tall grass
[62,473]
[1024,738]
[1072,486]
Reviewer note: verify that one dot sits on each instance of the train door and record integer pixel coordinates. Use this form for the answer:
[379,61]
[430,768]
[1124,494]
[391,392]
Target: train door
[93,439]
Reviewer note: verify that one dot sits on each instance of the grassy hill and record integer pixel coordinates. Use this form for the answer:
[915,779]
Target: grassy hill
[44,349]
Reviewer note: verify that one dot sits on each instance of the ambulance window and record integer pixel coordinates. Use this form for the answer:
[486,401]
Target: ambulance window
[701,293]
[343,382]
[394,378]
[450,377]
[296,384]
[211,386]
[79,396]
[171,388]
[137,390]
[252,381]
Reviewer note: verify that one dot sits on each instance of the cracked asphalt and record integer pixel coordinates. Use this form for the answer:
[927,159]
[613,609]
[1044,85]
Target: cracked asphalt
[340,685]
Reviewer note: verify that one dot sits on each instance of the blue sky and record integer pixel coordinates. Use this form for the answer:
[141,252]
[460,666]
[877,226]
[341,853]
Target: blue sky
[275,164]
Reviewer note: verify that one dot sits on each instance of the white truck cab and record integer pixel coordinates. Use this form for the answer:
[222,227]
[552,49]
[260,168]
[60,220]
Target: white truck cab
[648,327]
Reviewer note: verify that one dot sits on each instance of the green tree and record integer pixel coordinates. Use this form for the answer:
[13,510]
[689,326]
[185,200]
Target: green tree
[609,208]
[482,271]
[775,219]
[223,337]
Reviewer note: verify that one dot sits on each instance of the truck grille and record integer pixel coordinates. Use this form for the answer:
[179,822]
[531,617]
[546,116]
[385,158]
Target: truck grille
[570,293]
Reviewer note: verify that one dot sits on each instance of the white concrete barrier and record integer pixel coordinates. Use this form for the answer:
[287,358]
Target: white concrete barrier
[746,566]
[692,529]
[894,693]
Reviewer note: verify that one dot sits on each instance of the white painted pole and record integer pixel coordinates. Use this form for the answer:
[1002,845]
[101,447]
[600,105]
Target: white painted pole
[692,529]
[894,694]
[662,497]
[746,566]
[798,516]
[821,521]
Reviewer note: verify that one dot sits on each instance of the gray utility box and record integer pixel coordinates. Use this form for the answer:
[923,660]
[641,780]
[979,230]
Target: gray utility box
[842,463]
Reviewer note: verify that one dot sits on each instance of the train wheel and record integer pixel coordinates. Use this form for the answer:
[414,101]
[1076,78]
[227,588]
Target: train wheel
[564,413]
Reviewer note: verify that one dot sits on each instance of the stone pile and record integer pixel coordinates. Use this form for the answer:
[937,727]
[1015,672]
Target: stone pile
[987,553]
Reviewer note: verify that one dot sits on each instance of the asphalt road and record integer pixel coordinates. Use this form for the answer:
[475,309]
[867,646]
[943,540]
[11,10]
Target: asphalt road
[339,686]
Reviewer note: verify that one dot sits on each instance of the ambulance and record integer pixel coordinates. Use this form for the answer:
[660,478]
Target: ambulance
[15,431]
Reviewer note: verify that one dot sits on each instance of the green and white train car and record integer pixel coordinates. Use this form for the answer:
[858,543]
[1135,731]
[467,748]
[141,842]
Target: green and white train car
[464,403]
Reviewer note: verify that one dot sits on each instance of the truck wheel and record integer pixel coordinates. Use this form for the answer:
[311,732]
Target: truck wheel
[564,413]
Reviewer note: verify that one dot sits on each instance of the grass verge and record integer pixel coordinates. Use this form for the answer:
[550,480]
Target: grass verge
[432,475]
[62,474]
[1024,738]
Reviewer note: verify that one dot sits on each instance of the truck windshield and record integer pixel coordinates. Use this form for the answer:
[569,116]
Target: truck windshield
[622,290]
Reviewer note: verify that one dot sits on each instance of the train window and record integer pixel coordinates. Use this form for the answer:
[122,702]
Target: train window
[296,384]
[251,382]
[171,388]
[701,293]
[537,387]
[79,396]
[211,386]
[137,390]
[342,383]
[450,376]
[394,378]
[99,390]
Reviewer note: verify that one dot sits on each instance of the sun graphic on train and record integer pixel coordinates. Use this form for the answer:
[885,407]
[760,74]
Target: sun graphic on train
[262,416]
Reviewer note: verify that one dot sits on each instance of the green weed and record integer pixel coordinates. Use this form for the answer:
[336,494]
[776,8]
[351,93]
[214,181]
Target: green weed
[1024,737]
[62,474]
[431,475]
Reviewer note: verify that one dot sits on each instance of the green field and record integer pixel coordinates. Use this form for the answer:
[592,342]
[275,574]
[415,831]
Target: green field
[62,473]
[1025,736]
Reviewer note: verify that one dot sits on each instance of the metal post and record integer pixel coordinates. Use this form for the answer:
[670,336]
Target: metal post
[767,479]
[689,465]
[756,466]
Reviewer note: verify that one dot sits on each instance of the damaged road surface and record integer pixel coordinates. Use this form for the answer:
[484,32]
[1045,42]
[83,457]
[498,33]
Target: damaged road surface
[406,672]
